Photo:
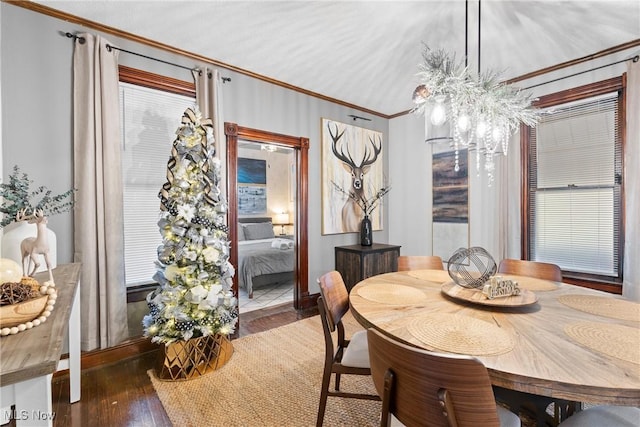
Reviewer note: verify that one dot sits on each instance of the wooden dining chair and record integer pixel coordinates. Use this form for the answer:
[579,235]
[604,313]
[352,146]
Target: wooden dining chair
[347,356]
[535,405]
[419,262]
[422,388]
[540,270]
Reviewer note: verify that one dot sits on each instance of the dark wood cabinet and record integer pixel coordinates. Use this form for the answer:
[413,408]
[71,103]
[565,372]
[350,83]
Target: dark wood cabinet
[356,262]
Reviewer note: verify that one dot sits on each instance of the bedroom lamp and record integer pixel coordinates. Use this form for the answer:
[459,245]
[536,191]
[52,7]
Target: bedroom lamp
[281,219]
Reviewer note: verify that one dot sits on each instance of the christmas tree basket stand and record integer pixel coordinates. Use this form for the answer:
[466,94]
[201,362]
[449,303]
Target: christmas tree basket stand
[186,360]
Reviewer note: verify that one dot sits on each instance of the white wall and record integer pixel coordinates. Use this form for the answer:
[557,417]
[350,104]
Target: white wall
[37,117]
[36,113]
[410,201]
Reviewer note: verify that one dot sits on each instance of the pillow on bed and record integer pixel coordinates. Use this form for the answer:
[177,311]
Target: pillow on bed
[258,230]
[241,236]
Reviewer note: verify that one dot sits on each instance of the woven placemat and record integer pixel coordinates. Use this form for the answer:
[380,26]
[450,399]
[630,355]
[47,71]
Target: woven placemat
[430,275]
[603,306]
[619,341]
[388,293]
[532,283]
[455,333]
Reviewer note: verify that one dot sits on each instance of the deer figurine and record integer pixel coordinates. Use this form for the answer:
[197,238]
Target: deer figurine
[33,246]
[351,212]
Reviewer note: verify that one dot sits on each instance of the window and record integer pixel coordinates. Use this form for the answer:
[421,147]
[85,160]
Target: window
[149,119]
[573,182]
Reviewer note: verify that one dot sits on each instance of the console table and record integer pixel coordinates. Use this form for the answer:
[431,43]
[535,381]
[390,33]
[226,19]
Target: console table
[29,359]
[357,262]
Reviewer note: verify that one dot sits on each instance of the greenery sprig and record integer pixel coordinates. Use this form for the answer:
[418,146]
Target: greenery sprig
[18,195]
[367,204]
[441,74]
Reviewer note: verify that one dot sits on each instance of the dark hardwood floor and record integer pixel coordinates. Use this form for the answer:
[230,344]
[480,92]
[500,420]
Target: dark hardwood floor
[121,394]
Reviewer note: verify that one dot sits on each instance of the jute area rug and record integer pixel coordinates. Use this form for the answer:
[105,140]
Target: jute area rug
[272,379]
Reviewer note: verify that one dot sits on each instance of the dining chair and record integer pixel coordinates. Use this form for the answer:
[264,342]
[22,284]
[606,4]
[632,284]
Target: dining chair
[346,356]
[535,405]
[422,388]
[605,415]
[419,262]
[539,270]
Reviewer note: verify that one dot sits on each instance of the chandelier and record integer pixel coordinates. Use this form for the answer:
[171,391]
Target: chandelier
[478,113]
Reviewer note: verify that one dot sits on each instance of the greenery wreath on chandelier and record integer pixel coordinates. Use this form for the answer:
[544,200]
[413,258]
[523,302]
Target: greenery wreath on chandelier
[482,96]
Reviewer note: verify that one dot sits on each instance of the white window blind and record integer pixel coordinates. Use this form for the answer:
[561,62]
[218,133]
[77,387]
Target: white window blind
[574,181]
[149,120]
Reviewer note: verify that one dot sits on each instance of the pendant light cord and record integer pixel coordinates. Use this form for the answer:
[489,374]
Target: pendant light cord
[479,21]
[466,33]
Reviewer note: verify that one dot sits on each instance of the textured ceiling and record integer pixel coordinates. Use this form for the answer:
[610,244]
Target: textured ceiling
[367,52]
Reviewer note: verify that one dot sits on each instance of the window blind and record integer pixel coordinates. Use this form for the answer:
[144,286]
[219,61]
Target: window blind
[574,177]
[149,119]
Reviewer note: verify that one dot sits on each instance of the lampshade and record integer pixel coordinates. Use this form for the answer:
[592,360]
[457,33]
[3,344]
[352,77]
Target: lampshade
[281,218]
[436,133]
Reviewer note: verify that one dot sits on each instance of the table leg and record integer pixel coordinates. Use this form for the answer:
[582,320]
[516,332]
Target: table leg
[532,405]
[33,402]
[74,349]
[6,400]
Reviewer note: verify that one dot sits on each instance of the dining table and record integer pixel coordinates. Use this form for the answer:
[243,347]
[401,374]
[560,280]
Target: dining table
[554,339]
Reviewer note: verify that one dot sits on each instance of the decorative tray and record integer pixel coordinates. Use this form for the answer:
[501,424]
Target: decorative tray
[476,296]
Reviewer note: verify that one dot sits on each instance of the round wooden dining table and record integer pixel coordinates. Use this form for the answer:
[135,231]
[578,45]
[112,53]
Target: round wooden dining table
[561,341]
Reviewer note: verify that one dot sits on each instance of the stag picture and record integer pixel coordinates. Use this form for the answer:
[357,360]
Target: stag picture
[352,170]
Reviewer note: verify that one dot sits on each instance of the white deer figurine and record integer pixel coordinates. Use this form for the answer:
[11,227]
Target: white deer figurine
[33,246]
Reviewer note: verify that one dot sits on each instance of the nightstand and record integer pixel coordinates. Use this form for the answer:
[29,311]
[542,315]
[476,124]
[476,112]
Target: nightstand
[357,262]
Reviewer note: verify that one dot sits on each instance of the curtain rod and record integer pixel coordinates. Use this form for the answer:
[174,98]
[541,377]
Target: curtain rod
[81,40]
[633,58]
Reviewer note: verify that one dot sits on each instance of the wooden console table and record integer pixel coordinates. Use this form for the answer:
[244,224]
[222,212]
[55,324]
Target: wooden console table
[29,359]
[357,262]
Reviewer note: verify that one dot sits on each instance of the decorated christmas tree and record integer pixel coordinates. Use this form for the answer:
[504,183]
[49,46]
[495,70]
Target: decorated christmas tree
[194,298]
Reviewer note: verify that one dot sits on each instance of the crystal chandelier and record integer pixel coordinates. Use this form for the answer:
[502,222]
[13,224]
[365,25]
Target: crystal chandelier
[478,113]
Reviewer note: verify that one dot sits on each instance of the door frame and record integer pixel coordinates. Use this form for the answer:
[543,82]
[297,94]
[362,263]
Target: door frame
[234,133]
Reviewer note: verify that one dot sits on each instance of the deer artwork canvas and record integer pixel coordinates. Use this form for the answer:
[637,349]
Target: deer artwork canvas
[352,169]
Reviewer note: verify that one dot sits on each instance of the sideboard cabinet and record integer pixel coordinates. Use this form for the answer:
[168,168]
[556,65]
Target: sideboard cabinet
[356,262]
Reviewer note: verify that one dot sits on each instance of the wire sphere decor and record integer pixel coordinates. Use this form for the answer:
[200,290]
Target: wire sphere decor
[471,267]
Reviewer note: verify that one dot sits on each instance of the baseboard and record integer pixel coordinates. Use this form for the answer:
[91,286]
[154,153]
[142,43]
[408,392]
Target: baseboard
[137,346]
[98,358]
[309,301]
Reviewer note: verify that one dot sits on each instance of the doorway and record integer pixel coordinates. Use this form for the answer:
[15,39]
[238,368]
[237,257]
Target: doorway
[295,229]
[266,188]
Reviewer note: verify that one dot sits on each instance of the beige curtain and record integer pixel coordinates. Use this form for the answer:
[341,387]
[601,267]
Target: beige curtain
[209,99]
[488,207]
[631,273]
[98,221]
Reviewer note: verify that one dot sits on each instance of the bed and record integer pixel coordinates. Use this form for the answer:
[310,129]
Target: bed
[263,258]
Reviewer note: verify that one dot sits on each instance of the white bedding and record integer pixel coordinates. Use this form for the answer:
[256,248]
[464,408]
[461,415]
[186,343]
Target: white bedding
[263,257]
